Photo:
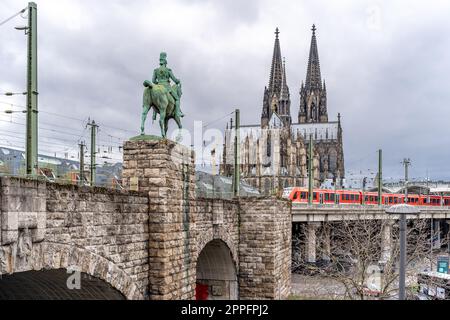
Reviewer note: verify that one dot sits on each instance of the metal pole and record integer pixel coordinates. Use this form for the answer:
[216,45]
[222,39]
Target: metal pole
[310,171]
[32,93]
[93,143]
[402,276]
[380,177]
[236,175]
[364,190]
[81,182]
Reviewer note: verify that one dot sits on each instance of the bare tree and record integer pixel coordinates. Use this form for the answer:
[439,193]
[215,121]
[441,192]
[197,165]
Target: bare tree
[363,255]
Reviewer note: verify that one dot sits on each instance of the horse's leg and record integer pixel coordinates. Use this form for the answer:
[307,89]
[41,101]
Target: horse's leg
[144,117]
[146,104]
[166,126]
[178,121]
[162,122]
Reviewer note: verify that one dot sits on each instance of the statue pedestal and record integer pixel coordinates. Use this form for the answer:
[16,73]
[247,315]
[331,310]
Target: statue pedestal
[144,137]
[165,170]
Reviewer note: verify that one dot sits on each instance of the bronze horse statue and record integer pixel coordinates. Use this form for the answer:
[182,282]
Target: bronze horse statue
[162,101]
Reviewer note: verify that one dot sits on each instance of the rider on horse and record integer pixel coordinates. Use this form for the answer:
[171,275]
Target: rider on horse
[162,76]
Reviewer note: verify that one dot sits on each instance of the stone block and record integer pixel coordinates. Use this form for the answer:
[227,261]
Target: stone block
[9,237]
[10,221]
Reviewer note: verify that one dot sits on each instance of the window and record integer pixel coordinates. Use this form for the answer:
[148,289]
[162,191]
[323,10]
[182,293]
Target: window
[327,197]
[332,196]
[352,197]
[295,196]
[304,195]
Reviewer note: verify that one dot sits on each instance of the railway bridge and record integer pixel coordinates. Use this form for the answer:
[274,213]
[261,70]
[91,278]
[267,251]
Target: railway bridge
[309,219]
[154,240]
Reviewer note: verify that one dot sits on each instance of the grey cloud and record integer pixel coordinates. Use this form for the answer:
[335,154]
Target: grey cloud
[387,74]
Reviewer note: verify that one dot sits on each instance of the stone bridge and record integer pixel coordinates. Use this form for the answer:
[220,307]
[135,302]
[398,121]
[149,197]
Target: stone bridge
[156,240]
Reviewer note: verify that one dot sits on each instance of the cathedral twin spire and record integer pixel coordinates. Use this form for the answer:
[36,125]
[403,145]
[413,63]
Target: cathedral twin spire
[276,96]
[312,94]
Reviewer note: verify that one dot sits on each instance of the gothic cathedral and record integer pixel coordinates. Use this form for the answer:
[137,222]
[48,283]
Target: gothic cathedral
[273,155]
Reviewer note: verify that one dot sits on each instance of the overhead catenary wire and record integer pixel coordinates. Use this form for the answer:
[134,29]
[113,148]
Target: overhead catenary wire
[13,16]
[217,120]
[67,117]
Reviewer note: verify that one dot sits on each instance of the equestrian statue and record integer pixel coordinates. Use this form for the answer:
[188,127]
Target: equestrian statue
[162,96]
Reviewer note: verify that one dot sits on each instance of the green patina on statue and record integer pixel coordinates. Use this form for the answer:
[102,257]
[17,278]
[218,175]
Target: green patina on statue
[162,96]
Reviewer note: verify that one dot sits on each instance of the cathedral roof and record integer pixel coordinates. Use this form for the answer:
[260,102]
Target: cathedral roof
[319,131]
[275,121]
[313,76]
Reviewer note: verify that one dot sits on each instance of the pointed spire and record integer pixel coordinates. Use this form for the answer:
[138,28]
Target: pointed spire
[276,69]
[284,87]
[313,77]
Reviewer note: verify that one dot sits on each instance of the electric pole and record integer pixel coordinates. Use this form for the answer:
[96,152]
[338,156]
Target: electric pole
[406,163]
[236,174]
[94,127]
[402,275]
[32,93]
[82,146]
[310,171]
[380,177]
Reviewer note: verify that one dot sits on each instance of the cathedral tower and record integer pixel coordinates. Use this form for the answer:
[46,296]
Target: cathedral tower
[276,96]
[313,94]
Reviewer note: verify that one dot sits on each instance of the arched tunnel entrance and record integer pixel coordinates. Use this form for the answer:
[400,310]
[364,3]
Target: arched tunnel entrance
[54,285]
[216,273]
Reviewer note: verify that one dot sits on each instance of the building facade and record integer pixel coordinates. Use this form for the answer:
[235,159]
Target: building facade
[274,154]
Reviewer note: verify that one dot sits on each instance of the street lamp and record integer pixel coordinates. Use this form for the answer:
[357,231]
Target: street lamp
[402,210]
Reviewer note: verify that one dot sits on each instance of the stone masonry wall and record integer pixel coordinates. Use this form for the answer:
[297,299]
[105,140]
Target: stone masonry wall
[100,231]
[165,170]
[265,248]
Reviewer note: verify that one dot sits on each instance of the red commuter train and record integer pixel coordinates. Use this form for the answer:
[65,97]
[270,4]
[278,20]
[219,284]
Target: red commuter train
[323,196]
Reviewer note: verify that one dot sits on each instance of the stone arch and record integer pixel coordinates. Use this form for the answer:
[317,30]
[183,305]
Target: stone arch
[221,234]
[49,255]
[216,272]
[56,284]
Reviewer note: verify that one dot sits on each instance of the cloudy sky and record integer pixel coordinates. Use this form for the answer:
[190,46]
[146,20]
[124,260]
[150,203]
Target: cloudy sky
[385,63]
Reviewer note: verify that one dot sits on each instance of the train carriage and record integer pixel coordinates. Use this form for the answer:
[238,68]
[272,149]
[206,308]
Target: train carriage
[329,197]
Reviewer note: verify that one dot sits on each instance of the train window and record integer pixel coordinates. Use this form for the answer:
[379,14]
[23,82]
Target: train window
[347,197]
[304,195]
[391,200]
[352,197]
[314,195]
[295,197]
[376,198]
[357,197]
[332,196]
[366,198]
[326,196]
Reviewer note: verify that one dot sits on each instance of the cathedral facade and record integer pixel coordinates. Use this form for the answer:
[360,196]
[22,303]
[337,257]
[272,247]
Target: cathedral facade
[274,154]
